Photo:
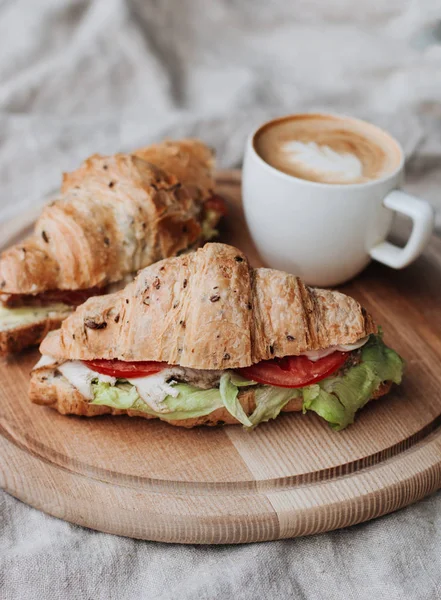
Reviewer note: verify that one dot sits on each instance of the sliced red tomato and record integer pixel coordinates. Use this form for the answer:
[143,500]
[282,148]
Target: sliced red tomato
[294,371]
[217,204]
[125,370]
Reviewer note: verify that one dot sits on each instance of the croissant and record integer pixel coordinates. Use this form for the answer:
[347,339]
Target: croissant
[116,215]
[190,161]
[209,310]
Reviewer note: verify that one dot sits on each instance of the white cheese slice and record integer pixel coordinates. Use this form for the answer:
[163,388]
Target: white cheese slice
[81,377]
[45,361]
[315,355]
[154,389]
[10,318]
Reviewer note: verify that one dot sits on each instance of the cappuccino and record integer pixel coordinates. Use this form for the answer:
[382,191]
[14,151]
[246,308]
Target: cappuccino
[328,149]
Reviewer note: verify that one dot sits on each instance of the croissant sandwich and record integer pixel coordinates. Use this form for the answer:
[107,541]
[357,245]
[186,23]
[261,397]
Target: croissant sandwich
[116,215]
[203,339]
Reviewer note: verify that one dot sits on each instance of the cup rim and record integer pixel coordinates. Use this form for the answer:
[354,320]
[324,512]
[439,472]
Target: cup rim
[283,175]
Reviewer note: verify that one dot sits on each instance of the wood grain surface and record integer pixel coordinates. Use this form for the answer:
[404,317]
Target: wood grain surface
[291,477]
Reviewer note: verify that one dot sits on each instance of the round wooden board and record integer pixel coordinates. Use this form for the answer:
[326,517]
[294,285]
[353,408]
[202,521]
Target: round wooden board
[291,477]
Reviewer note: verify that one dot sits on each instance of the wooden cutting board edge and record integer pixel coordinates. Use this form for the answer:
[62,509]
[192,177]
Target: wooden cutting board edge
[223,518]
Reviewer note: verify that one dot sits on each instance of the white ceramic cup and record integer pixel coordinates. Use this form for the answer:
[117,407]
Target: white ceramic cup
[327,233]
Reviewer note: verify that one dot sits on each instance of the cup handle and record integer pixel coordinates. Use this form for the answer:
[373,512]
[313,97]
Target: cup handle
[422,215]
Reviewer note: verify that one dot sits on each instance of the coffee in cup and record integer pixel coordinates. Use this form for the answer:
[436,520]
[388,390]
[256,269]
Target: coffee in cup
[327,149]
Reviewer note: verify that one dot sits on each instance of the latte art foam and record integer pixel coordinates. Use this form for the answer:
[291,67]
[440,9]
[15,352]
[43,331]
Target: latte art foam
[328,149]
[323,159]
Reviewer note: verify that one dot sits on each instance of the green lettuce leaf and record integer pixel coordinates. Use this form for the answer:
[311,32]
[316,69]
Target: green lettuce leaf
[240,381]
[323,403]
[385,362]
[229,393]
[208,231]
[337,399]
[122,396]
[269,402]
[191,402]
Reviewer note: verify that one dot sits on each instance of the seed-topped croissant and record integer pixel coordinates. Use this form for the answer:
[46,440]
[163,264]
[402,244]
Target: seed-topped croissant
[190,161]
[116,215]
[208,321]
[209,310]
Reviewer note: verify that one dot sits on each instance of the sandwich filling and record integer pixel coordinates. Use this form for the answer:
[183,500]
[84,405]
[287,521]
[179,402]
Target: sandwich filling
[334,383]
[18,310]
[11,318]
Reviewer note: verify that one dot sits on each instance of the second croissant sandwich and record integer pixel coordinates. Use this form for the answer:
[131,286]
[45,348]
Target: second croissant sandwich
[203,339]
[116,214]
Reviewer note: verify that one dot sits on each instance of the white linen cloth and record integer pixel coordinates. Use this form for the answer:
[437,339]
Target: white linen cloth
[78,77]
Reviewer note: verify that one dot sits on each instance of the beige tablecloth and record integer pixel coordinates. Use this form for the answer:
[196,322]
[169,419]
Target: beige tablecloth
[78,77]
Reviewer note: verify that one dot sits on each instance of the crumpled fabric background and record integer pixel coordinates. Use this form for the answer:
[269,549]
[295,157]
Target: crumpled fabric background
[78,77]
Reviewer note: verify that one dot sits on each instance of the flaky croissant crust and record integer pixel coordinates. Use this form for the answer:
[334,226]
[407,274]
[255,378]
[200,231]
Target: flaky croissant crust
[209,310]
[116,215]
